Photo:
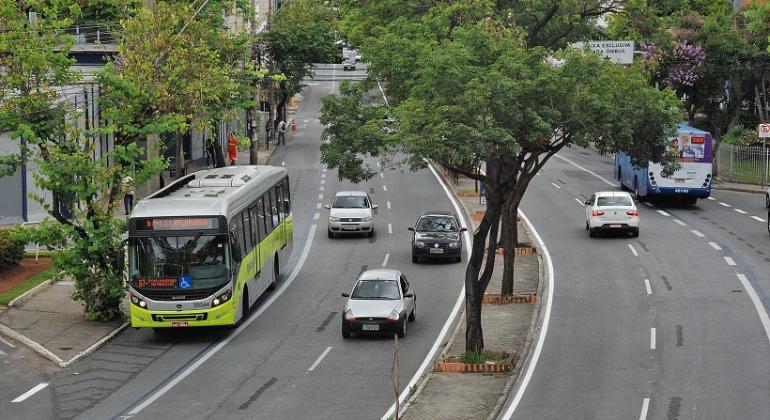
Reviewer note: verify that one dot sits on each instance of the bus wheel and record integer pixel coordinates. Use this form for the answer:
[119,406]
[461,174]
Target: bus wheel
[690,201]
[244,308]
[767,200]
[276,272]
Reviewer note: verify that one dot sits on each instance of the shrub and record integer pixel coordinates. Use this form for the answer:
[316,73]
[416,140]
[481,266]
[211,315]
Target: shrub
[11,249]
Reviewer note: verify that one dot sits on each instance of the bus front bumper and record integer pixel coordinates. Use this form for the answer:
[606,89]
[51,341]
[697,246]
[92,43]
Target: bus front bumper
[223,314]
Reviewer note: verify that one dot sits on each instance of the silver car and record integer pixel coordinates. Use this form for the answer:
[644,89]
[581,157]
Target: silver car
[351,212]
[381,303]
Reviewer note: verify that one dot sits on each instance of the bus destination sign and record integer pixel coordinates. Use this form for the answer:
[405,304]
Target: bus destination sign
[178,223]
[161,283]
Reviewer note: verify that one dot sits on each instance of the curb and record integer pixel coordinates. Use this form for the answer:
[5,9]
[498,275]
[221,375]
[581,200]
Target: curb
[738,189]
[29,293]
[37,347]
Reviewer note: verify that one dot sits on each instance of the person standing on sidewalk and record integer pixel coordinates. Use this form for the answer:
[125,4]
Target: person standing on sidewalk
[128,190]
[232,148]
[267,133]
[282,132]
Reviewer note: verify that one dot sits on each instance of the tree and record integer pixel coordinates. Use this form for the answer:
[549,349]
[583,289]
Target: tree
[482,92]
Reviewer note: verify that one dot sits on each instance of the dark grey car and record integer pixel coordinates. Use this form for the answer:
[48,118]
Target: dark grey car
[437,234]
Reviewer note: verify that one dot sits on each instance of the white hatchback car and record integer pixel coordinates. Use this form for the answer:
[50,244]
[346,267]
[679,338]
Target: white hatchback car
[611,211]
[351,212]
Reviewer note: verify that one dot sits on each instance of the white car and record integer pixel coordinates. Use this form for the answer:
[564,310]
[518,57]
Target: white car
[351,212]
[611,211]
[381,303]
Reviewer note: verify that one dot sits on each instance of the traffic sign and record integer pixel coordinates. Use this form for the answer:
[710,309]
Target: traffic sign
[619,52]
[764,131]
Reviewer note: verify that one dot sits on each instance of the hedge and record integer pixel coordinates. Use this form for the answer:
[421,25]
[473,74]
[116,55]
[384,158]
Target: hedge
[11,249]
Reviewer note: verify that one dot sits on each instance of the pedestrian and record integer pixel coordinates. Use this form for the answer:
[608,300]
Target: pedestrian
[232,148]
[267,132]
[282,132]
[211,155]
[128,191]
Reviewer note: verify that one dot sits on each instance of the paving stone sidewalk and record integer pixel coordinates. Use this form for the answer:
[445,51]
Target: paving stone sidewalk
[456,396]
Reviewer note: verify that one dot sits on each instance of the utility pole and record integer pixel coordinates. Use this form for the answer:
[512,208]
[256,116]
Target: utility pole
[253,114]
[271,68]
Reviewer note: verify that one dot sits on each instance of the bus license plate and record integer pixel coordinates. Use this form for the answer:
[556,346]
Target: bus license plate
[679,180]
[179,324]
[436,251]
[370,327]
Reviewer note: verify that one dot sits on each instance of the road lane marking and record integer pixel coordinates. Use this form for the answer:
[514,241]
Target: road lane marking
[388,205]
[648,286]
[757,303]
[724,204]
[3,354]
[729,260]
[7,343]
[652,338]
[697,233]
[318,206]
[711,198]
[633,250]
[317,361]
[759,219]
[428,360]
[207,355]
[390,229]
[645,408]
[385,261]
[586,170]
[579,201]
[31,392]
[555,185]
[679,222]
[382,175]
[384,187]
[320,196]
[663,213]
[321,188]
[740,211]
[316,216]
[323,181]
[323,175]
[715,246]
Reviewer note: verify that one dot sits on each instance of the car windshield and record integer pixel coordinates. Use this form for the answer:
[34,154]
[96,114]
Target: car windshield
[350,202]
[609,201]
[437,224]
[178,262]
[376,289]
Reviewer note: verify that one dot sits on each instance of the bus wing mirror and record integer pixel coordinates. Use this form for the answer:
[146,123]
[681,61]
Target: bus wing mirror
[121,257]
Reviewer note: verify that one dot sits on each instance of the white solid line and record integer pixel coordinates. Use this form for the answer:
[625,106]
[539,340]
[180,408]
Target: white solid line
[555,185]
[206,356]
[740,211]
[323,181]
[586,170]
[321,188]
[30,393]
[535,354]
[579,202]
[385,261]
[724,204]
[757,218]
[317,361]
[633,250]
[663,213]
[452,316]
[320,196]
[384,187]
[316,216]
[679,222]
[648,286]
[645,408]
[715,246]
[711,198]
[729,260]
[763,317]
[652,338]
[390,229]
[388,204]
[7,343]
[317,206]
[697,233]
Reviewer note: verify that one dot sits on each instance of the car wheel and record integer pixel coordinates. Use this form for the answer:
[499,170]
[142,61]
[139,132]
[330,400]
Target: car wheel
[329,232]
[587,227]
[415,259]
[370,233]
[345,333]
[402,330]
[635,233]
[458,259]
[413,315]
[767,200]
[591,233]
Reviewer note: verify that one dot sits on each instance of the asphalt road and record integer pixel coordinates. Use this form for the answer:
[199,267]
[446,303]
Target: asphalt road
[659,326]
[289,360]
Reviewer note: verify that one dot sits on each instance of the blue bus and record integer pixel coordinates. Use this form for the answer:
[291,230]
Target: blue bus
[693,150]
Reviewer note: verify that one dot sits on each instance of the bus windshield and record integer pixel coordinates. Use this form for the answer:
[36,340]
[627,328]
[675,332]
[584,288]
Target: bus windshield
[179,262]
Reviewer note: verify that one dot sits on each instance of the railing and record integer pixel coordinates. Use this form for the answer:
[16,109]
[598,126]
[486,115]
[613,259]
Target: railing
[93,34]
[744,164]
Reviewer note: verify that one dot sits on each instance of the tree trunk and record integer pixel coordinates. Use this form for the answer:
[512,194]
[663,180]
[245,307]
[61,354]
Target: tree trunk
[510,237]
[179,155]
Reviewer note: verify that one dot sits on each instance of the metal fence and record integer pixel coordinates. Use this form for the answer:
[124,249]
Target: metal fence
[743,164]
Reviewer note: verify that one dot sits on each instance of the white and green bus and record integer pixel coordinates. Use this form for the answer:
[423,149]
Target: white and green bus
[203,249]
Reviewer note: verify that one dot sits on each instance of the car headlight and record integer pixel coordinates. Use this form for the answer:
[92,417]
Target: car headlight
[419,244]
[455,244]
[368,219]
[393,316]
[224,297]
[334,219]
[349,315]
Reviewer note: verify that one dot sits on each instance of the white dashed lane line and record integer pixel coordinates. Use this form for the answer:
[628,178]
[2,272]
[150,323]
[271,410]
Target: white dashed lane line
[390,229]
[320,196]
[323,175]
[385,188]
[647,286]
[663,213]
[388,203]
[652,338]
[323,181]
[715,246]
[633,250]
[385,261]
[759,219]
[729,261]
[321,188]
[645,408]
[579,202]
[316,216]
[317,206]
[711,198]
[382,175]
[724,204]
[318,361]
[679,222]
[697,233]
[740,211]
[555,185]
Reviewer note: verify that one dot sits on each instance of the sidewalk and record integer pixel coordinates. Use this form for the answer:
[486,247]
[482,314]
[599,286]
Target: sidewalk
[734,186]
[507,328]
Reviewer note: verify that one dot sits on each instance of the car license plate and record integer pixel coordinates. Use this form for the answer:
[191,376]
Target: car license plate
[679,180]
[614,226]
[348,228]
[179,324]
[370,327]
[436,251]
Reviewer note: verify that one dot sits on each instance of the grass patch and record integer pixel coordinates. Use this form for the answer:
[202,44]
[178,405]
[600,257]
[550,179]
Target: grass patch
[484,356]
[6,298]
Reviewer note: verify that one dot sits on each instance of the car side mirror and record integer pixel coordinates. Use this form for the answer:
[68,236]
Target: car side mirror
[409,295]
[374,206]
[587,202]
[326,206]
[410,228]
[345,294]
[463,229]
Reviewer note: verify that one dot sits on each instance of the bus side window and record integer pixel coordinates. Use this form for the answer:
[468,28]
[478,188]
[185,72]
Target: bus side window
[254,228]
[236,230]
[268,215]
[278,200]
[246,232]
[286,197]
[274,207]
